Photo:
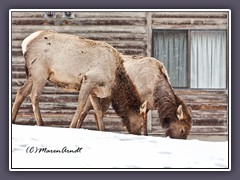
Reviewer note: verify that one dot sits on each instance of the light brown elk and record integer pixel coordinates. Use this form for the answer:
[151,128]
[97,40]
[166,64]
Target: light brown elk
[72,63]
[153,91]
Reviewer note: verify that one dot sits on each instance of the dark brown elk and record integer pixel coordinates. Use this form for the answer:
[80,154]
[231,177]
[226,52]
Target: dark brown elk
[152,90]
[72,63]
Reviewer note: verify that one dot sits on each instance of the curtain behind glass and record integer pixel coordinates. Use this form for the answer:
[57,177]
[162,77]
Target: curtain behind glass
[208,59]
[170,47]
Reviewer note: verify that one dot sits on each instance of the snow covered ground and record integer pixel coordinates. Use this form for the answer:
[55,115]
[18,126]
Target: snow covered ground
[49,147]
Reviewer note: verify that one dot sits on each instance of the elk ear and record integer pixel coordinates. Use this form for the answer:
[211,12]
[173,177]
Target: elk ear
[144,108]
[180,112]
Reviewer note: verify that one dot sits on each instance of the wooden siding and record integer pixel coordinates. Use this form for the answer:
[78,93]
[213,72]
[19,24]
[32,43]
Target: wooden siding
[125,31]
[190,20]
[130,33]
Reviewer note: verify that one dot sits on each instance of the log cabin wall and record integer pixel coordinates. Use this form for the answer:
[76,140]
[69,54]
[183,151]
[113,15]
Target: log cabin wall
[131,33]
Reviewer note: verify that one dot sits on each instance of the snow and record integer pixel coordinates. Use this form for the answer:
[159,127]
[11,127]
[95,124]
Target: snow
[95,149]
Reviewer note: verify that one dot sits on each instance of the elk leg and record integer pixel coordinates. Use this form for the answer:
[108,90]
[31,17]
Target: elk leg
[98,111]
[86,109]
[82,100]
[95,117]
[105,103]
[144,111]
[22,93]
[145,130]
[35,95]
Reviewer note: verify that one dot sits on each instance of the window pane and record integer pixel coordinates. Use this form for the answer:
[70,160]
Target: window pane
[170,47]
[208,59]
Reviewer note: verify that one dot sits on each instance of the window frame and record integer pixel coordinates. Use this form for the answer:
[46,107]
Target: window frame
[188,31]
[187,46]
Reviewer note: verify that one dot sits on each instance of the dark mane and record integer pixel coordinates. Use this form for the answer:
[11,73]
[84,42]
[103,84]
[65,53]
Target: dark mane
[165,100]
[125,98]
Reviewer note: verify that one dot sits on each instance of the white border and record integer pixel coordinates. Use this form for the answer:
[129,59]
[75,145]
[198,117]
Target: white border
[10,89]
[120,10]
[229,89]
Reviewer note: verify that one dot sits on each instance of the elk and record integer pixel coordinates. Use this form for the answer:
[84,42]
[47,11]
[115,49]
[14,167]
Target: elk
[152,90]
[72,63]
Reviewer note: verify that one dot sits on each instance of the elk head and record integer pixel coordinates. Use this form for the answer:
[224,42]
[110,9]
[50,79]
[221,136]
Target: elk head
[179,126]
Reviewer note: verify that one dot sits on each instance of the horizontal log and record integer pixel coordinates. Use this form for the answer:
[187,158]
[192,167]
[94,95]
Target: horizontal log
[172,21]
[200,91]
[82,14]
[80,21]
[16,52]
[18,68]
[189,21]
[208,106]
[193,14]
[133,51]
[210,22]
[205,99]
[32,14]
[100,36]
[110,14]
[18,60]
[84,29]
[219,96]
[187,27]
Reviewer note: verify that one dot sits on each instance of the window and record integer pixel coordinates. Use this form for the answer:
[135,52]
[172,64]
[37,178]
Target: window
[170,47]
[208,59]
[193,58]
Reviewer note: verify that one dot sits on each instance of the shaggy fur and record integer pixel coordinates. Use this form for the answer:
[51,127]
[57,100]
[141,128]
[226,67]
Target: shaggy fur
[167,103]
[125,98]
